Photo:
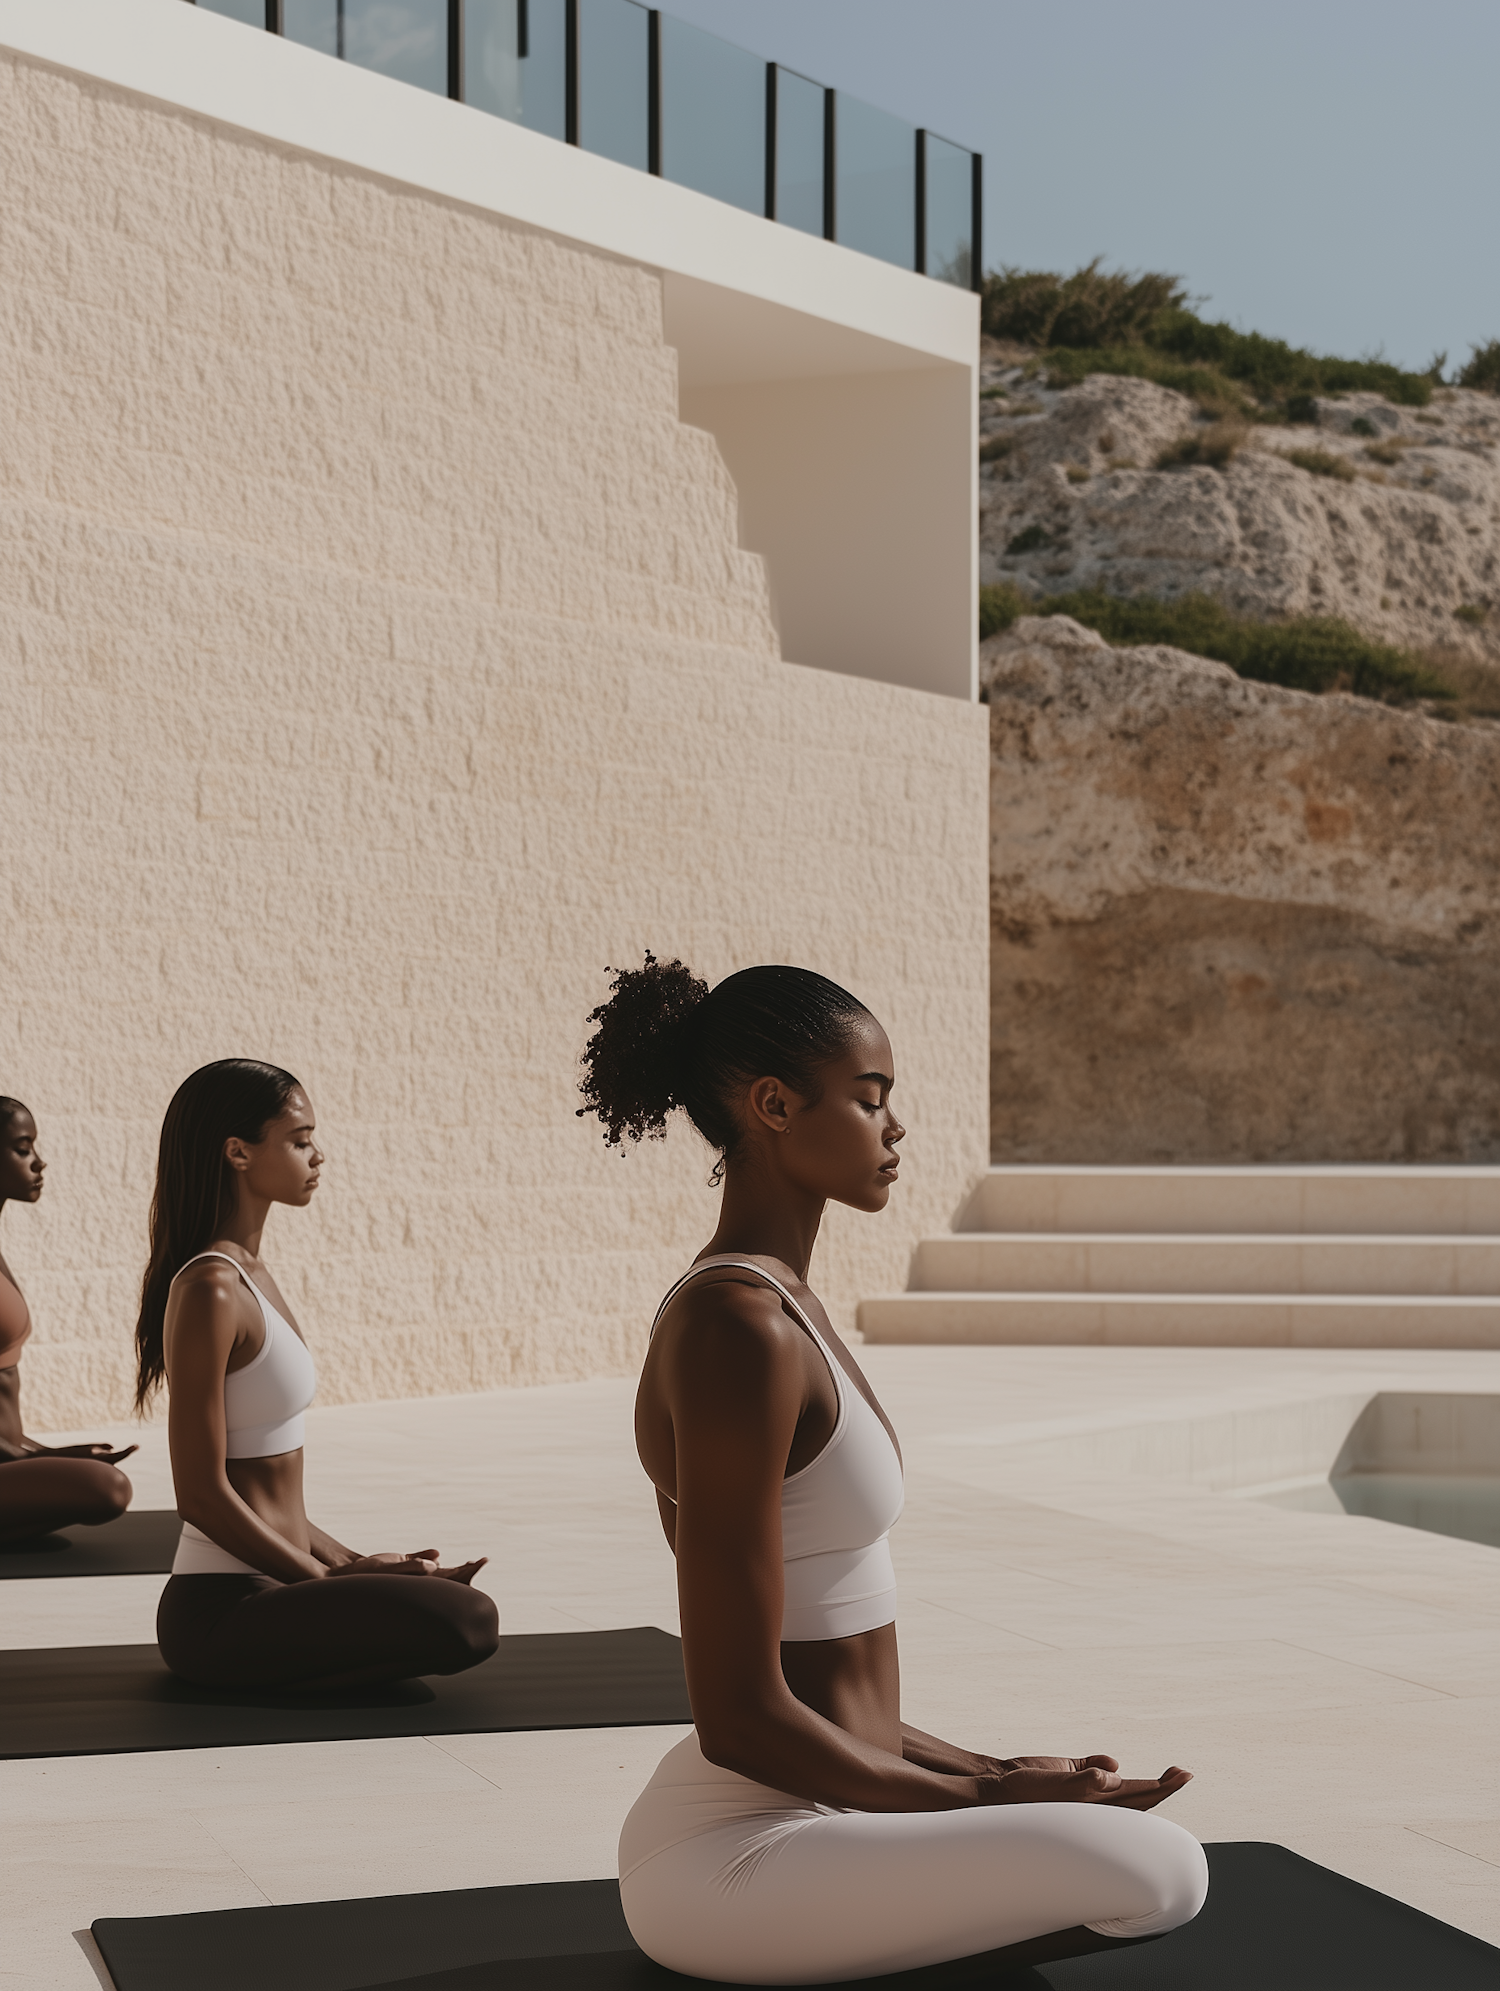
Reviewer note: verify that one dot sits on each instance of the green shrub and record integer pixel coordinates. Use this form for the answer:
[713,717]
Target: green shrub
[1274,371]
[1306,653]
[999,606]
[1030,539]
[1391,450]
[1099,321]
[1474,613]
[1362,426]
[994,447]
[1204,384]
[1483,369]
[1322,463]
[1076,474]
[1214,445]
[1089,308]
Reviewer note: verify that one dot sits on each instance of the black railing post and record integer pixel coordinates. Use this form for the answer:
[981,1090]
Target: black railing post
[570,72]
[830,192]
[919,246]
[273,17]
[653,91]
[523,30]
[456,50]
[976,226]
[770,141]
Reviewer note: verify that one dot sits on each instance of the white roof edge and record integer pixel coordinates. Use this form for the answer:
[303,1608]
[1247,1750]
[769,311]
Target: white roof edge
[216,68]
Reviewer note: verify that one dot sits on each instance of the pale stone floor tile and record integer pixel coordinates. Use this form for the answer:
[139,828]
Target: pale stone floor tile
[1479,1838]
[1139,1614]
[56,1789]
[1463,1662]
[60,1877]
[1155,1682]
[78,1610]
[1332,1767]
[326,1848]
[1330,1681]
[942,1625]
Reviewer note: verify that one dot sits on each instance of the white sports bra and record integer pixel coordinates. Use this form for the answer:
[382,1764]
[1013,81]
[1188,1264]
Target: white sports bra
[263,1415]
[837,1512]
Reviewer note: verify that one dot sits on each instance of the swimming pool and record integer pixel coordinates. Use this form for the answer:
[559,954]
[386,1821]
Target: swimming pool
[1465,1505]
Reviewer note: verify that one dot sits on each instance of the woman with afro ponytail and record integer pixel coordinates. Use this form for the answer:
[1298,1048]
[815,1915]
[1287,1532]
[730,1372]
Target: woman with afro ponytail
[804,1833]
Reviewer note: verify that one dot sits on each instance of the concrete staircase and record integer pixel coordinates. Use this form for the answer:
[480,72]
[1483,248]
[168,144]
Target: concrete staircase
[1315,1257]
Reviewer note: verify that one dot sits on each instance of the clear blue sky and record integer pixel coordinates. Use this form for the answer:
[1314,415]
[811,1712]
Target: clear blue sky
[1325,171]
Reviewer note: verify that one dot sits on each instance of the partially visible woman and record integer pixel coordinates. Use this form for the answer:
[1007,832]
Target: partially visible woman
[259,1596]
[42,1487]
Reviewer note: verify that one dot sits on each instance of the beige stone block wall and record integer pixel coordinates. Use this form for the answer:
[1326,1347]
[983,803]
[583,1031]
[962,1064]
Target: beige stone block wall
[378,662]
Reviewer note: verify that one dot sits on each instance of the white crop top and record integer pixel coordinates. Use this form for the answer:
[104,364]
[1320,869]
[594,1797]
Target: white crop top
[263,1416]
[837,1512]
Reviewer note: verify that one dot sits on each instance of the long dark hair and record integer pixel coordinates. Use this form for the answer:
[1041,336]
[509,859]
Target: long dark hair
[666,1040]
[195,1190]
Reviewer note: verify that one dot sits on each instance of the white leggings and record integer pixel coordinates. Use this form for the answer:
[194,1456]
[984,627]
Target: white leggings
[724,1878]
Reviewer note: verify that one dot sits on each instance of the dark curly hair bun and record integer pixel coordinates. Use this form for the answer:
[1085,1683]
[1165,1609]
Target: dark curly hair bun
[664,1040]
[635,1060]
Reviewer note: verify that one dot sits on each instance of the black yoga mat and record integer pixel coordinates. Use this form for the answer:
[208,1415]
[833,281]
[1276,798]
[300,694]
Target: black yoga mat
[95,1700]
[138,1544]
[1274,1922]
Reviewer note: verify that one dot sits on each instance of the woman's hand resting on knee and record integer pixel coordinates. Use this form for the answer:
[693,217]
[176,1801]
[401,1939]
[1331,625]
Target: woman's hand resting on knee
[102,1453]
[418,1562]
[1074,1780]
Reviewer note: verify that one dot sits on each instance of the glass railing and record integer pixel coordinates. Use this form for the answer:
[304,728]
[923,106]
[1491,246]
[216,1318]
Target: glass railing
[797,147]
[656,93]
[516,62]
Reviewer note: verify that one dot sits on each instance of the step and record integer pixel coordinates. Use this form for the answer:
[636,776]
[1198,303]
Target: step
[1197,1320]
[1335,1199]
[1200,1262]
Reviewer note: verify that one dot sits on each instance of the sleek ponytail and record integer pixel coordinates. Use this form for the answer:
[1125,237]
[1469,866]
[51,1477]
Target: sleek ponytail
[195,1190]
[665,1040]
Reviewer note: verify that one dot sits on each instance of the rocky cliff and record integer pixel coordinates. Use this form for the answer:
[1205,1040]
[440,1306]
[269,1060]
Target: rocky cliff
[1231,922]
[1395,528]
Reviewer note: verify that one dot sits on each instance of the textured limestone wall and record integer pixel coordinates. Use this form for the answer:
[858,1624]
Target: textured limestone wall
[1234,923]
[378,662]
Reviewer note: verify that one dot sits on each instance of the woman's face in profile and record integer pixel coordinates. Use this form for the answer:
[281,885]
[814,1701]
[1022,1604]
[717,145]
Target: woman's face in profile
[283,1165]
[844,1147]
[21,1167]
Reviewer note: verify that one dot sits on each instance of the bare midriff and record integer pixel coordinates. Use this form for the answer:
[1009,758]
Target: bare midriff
[853,1682]
[272,1489]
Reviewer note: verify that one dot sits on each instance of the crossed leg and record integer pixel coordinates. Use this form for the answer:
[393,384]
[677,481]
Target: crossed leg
[342,1631]
[38,1496]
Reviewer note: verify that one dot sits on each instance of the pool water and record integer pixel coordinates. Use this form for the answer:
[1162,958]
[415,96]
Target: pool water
[1442,1503]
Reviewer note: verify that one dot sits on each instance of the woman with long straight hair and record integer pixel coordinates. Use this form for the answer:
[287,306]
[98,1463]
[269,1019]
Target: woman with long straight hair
[804,1833]
[43,1487]
[259,1596]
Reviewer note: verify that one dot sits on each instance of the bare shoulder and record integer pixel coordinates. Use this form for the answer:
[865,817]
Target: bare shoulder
[728,1324]
[207,1286]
